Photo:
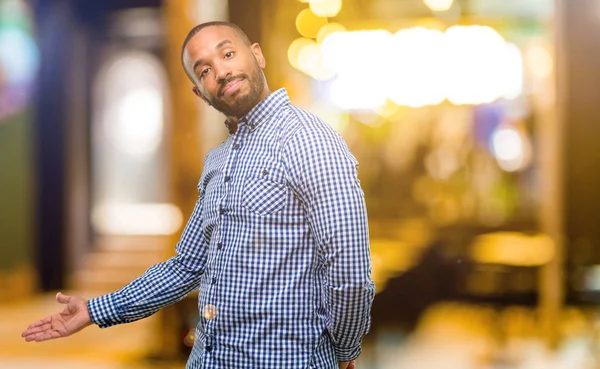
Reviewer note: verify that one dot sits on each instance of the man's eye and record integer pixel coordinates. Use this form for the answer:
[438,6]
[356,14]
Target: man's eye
[229,54]
[204,72]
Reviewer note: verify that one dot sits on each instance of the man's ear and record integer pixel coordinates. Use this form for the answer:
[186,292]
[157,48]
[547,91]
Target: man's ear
[199,94]
[258,54]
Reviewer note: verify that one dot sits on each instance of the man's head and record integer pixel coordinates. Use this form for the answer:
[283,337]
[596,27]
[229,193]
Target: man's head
[225,67]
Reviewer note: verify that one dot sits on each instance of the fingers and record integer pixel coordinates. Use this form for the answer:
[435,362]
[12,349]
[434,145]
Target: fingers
[46,320]
[43,332]
[38,326]
[37,329]
[47,336]
[63,299]
[43,336]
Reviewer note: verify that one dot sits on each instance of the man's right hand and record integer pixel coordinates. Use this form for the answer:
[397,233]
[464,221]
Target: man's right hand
[72,319]
[347,365]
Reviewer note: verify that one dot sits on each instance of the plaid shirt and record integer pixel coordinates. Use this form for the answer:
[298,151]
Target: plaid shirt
[277,244]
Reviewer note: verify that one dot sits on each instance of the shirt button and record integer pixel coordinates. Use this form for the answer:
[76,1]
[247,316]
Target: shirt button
[220,245]
[208,348]
[236,146]
[222,210]
[214,281]
[227,178]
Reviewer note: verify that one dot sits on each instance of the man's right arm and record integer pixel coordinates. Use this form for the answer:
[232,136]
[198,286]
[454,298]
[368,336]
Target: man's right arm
[161,285]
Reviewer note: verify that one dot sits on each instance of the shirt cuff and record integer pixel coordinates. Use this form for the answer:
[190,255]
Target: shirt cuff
[103,311]
[347,354]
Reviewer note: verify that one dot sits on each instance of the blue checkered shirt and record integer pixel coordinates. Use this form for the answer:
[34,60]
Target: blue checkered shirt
[277,244]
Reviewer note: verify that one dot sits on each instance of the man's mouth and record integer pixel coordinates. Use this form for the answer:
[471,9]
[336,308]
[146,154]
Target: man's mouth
[231,86]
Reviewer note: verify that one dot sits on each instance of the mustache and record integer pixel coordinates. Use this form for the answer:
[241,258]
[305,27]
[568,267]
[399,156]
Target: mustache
[227,81]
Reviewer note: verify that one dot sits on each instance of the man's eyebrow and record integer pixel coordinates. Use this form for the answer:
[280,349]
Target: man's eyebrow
[219,45]
[223,43]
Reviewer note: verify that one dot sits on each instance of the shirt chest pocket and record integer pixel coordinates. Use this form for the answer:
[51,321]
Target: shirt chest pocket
[265,191]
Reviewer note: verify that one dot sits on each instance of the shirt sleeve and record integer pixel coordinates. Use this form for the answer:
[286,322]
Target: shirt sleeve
[161,285]
[323,173]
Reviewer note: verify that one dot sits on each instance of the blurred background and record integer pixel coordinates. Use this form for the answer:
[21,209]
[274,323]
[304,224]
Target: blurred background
[476,124]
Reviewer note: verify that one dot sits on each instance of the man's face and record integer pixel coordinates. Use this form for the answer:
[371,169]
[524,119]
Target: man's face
[226,70]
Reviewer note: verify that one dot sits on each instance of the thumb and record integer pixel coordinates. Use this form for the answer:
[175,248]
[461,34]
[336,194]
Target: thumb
[63,299]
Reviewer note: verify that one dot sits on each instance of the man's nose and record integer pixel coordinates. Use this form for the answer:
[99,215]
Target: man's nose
[221,72]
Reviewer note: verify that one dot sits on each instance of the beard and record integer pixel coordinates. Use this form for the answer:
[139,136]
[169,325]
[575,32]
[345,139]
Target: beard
[242,103]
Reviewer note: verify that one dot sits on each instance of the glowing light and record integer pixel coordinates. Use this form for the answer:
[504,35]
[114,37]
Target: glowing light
[139,128]
[414,78]
[353,90]
[359,95]
[329,29]
[137,219]
[509,148]
[511,248]
[310,61]
[475,57]
[513,70]
[439,5]
[368,118]
[326,8]
[308,23]
[309,57]
[465,65]
[209,312]
[507,144]
[294,50]
[388,109]
[19,57]
[190,338]
[539,61]
[132,112]
[348,52]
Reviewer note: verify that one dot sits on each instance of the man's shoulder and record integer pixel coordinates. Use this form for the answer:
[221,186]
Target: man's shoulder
[302,124]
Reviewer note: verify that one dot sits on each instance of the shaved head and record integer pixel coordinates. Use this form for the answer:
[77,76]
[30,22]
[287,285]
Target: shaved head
[242,35]
[224,67]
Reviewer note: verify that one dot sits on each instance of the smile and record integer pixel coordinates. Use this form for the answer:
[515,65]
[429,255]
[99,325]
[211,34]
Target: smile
[231,87]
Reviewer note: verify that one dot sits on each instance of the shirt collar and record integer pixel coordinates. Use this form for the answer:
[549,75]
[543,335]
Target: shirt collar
[264,110]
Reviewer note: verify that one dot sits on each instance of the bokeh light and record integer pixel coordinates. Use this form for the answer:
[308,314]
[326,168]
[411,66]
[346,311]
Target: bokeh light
[139,127]
[209,312]
[465,65]
[326,8]
[308,24]
[539,61]
[439,5]
[19,57]
[476,65]
[511,148]
[416,73]
[294,50]
[329,29]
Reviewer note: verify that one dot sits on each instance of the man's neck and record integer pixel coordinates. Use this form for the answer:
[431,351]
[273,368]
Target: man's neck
[232,124]
[233,121]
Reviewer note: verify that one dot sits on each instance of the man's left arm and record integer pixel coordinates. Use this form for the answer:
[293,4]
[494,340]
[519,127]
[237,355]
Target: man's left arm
[324,173]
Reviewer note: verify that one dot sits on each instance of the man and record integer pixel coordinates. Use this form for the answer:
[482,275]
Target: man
[277,243]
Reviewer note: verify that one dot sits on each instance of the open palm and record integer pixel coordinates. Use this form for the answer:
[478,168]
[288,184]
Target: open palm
[72,319]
